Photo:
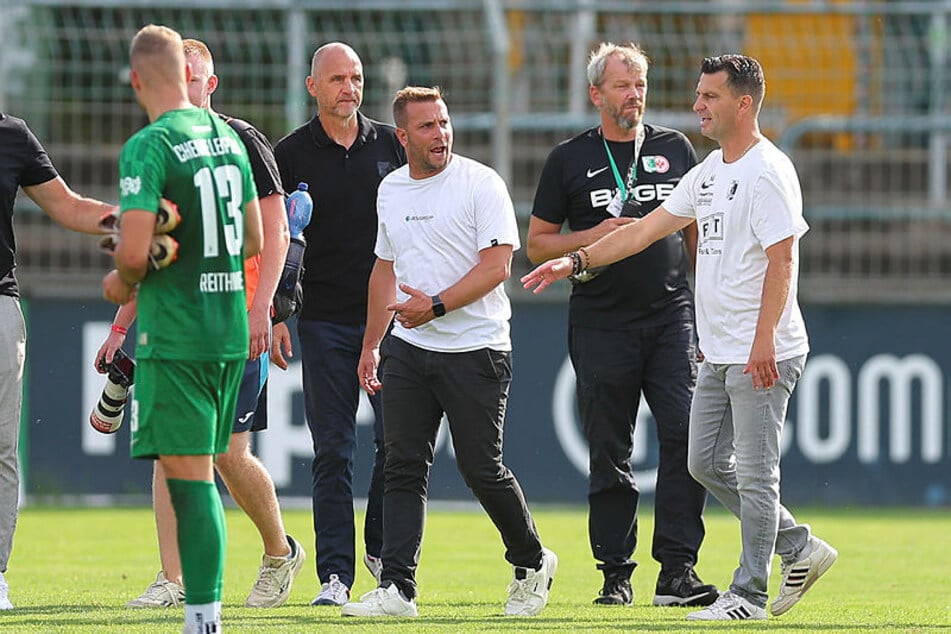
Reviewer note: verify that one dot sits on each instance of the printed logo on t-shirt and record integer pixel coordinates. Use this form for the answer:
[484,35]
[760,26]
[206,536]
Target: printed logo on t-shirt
[710,230]
[707,184]
[655,164]
[415,218]
[731,194]
[601,197]
[129,186]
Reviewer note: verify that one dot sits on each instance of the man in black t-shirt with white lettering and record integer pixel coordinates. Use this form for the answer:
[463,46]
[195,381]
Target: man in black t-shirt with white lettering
[631,326]
[24,164]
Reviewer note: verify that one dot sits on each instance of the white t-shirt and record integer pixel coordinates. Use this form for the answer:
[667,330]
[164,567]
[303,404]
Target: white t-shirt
[432,229]
[742,208]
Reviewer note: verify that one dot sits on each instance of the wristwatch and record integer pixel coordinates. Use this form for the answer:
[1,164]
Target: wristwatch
[439,309]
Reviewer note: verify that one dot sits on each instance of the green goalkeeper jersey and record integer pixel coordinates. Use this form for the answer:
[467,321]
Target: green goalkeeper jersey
[193,309]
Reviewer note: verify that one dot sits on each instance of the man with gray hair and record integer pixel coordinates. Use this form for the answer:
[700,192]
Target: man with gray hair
[746,199]
[630,325]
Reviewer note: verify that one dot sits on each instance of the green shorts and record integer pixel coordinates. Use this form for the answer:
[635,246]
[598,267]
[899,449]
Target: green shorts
[183,408]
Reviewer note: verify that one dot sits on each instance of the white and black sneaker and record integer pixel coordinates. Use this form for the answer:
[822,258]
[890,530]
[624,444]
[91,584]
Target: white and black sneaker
[813,561]
[682,587]
[729,607]
[275,577]
[528,592]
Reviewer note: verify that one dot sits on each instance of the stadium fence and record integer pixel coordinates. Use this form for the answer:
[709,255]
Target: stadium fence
[858,94]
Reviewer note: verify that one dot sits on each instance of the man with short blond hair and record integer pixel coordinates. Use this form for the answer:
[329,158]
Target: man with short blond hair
[193,336]
[247,480]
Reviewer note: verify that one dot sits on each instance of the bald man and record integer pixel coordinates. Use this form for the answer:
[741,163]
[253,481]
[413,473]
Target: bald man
[342,156]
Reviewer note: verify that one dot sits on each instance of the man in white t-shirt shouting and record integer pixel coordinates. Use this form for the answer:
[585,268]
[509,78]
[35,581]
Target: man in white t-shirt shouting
[746,200]
[444,247]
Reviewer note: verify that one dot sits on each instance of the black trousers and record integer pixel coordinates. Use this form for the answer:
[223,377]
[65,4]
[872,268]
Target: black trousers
[471,388]
[613,367]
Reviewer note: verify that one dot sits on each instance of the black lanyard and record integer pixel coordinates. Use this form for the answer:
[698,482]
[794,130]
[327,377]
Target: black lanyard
[628,185]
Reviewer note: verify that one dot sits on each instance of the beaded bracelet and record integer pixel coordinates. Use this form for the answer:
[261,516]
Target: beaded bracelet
[119,329]
[587,257]
[576,266]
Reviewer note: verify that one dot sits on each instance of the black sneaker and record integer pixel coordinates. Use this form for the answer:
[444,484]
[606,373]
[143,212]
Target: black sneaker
[682,587]
[616,591]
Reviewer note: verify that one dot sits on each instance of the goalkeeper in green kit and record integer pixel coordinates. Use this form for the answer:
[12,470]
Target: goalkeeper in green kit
[192,338]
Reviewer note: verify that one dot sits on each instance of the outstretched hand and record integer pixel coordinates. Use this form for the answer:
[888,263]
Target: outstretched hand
[547,273]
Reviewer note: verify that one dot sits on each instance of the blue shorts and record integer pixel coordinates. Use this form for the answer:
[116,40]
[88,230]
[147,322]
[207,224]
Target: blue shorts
[250,414]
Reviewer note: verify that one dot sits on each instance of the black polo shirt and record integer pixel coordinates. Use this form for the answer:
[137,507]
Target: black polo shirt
[342,233]
[576,185]
[23,163]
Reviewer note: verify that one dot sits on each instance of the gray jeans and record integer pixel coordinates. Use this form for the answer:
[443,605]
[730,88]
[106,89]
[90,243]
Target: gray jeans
[12,356]
[734,451]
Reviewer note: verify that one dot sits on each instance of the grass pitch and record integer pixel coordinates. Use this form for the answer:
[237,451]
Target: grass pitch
[74,569]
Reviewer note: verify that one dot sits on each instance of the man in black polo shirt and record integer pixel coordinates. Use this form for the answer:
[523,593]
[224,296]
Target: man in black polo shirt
[24,163]
[342,156]
[630,326]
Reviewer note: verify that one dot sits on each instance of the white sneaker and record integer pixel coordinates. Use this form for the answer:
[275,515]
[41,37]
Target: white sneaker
[375,566]
[388,601]
[334,592]
[161,594]
[275,578]
[4,594]
[729,607]
[799,576]
[528,592]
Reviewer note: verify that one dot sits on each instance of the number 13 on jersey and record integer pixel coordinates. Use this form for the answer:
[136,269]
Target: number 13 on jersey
[225,183]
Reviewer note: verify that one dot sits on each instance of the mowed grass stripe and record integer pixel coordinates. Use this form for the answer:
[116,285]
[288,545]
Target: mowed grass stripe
[74,569]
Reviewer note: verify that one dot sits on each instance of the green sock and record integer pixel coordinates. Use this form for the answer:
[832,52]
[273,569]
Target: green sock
[201,538]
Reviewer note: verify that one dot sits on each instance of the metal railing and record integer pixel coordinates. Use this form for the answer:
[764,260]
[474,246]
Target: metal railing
[857,93]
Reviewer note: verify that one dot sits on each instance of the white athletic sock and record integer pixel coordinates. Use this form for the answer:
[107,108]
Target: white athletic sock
[204,618]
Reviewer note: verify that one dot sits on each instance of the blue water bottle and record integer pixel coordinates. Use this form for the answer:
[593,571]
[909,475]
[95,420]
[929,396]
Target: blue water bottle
[288,296]
[300,207]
